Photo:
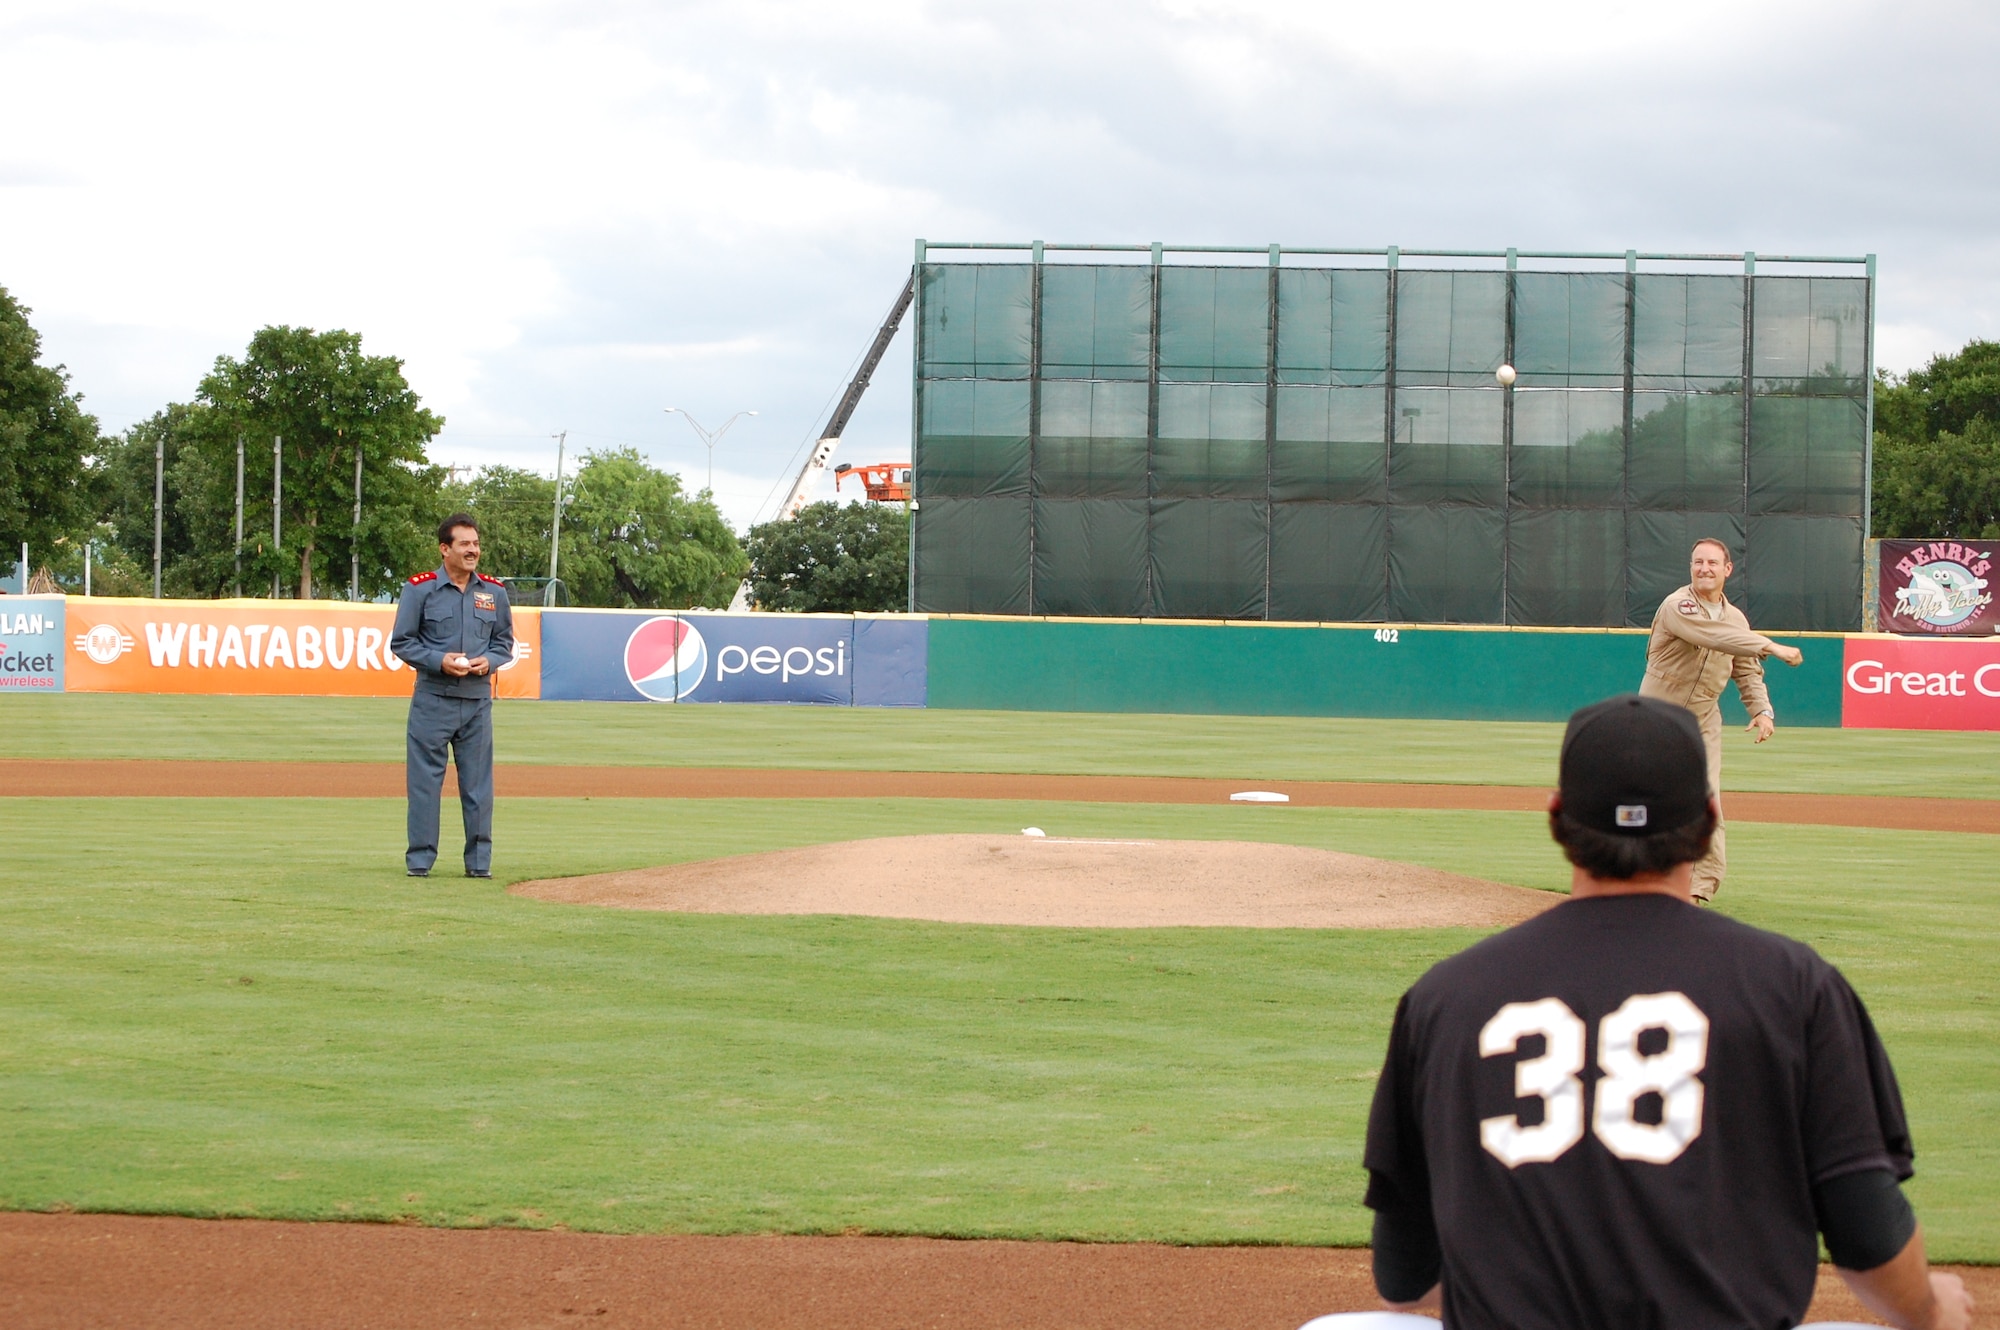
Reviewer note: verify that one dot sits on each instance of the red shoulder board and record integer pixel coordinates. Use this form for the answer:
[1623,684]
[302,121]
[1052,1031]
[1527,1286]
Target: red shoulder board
[422,578]
[494,580]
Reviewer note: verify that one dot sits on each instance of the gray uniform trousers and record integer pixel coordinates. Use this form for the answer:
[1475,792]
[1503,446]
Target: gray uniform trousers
[465,725]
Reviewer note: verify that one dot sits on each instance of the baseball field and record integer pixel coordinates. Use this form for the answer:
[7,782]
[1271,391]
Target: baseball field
[219,996]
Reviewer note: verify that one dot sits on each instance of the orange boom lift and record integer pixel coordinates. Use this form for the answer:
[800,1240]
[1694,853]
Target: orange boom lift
[885,482]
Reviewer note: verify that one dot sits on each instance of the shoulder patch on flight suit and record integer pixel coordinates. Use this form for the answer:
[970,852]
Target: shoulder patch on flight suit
[494,580]
[1688,607]
[485,600]
[422,578]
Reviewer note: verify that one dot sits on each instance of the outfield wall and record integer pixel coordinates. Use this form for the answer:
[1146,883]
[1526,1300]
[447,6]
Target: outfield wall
[1441,673]
[1010,663]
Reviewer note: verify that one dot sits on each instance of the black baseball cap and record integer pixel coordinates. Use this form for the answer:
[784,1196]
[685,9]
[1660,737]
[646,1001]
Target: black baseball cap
[1634,766]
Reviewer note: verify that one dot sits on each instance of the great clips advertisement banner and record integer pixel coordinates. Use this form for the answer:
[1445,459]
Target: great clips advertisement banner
[1911,684]
[272,647]
[824,659]
[1936,588]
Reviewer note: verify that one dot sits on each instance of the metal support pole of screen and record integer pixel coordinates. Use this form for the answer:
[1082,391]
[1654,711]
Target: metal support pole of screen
[1625,607]
[1507,448]
[916,416]
[1749,383]
[1389,443]
[1034,409]
[1868,445]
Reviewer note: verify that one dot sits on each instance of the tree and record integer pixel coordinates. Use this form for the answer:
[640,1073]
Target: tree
[46,438]
[514,508]
[1937,466]
[124,483]
[326,400]
[632,538]
[1945,486]
[833,558]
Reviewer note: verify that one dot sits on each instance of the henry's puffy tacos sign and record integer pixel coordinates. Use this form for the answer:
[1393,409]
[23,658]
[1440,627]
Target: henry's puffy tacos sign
[311,648]
[1936,588]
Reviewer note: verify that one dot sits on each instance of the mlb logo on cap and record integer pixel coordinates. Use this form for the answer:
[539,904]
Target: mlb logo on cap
[1631,815]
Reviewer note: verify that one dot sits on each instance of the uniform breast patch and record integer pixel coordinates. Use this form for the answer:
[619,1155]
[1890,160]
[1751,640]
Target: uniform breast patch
[483,600]
[1688,607]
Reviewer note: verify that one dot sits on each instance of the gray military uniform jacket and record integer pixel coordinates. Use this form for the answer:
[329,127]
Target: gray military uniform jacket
[434,619]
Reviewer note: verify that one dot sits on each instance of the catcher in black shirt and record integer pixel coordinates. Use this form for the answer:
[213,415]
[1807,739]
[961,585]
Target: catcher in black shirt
[1630,1112]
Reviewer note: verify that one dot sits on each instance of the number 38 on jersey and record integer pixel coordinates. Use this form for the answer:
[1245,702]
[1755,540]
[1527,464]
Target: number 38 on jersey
[1668,1072]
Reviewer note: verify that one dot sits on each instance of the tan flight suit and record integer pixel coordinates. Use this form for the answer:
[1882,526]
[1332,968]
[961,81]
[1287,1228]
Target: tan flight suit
[1695,650]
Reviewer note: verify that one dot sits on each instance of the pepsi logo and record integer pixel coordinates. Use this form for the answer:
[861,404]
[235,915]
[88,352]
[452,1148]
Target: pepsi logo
[665,658]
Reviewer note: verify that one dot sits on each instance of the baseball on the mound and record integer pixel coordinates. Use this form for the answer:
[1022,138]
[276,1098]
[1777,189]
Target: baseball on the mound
[1506,376]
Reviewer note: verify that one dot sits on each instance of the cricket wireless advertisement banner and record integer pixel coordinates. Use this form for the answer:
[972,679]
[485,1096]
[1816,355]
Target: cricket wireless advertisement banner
[313,648]
[832,659]
[1936,588]
[1905,684]
[31,644]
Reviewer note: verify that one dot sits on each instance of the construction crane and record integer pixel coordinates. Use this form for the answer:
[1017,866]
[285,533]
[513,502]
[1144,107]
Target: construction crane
[829,438]
[843,411]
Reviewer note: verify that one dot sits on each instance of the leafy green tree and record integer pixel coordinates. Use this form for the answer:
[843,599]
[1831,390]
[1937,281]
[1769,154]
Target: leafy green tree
[1937,469]
[326,400]
[1947,485]
[833,558]
[124,483]
[631,537]
[514,508]
[46,438]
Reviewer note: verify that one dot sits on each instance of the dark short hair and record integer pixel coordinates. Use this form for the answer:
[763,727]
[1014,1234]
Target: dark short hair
[1711,540]
[1601,854]
[453,523]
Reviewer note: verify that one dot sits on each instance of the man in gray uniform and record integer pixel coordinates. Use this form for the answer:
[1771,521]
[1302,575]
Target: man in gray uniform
[454,628]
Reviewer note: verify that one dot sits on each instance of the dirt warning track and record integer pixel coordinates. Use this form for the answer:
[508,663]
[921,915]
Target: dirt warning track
[384,780]
[61,1271]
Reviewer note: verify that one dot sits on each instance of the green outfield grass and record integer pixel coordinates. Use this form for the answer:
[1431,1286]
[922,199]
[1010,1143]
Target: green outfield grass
[76,725]
[241,1007]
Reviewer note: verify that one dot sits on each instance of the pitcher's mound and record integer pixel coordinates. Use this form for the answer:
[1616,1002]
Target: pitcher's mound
[1064,883]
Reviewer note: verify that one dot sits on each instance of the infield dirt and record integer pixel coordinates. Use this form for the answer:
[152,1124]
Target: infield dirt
[112,778]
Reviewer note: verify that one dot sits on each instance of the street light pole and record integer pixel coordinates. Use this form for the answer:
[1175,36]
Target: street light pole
[354,572]
[710,439]
[277,511]
[159,494]
[239,517]
[555,523]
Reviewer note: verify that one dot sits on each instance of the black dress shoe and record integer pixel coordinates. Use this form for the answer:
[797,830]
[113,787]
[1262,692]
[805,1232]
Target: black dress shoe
[470,873]
[417,872]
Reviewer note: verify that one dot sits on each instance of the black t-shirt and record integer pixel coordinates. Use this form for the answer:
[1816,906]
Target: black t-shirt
[1616,1113]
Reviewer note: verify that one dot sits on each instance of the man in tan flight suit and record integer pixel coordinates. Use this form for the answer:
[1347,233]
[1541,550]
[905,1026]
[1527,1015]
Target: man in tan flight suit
[1700,642]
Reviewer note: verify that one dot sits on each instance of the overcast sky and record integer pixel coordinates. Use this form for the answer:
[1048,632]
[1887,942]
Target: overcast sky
[572,215]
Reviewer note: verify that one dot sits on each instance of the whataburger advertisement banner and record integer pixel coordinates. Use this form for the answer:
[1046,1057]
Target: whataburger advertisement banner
[312,648]
[1892,683]
[829,659]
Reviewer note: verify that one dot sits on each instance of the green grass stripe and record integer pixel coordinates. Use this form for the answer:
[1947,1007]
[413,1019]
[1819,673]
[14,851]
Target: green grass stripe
[443,1051]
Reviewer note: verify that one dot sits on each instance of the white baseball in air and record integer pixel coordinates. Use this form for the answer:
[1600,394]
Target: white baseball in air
[1505,374]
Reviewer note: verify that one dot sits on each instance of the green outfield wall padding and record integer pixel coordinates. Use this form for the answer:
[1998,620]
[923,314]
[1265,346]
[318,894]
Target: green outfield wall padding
[1258,670]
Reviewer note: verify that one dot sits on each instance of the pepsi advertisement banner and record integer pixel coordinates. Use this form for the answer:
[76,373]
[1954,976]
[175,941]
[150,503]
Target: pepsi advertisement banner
[825,660]
[31,644]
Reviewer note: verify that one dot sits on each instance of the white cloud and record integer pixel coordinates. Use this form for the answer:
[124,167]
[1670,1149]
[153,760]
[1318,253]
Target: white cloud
[571,214]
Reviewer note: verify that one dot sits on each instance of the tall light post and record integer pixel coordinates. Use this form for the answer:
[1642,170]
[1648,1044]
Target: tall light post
[711,439]
[555,522]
